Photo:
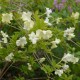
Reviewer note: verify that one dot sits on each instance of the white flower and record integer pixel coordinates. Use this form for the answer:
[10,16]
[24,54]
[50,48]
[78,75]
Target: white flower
[39,33]
[57,41]
[47,34]
[33,38]
[65,67]
[44,34]
[70,58]
[5,36]
[75,60]
[54,43]
[29,66]
[9,57]
[5,40]
[48,12]
[67,57]
[58,20]
[75,15]
[26,16]
[69,33]
[21,41]
[59,72]
[7,17]
[28,25]
[42,60]
[47,21]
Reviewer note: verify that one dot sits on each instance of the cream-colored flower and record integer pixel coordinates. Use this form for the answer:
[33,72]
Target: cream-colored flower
[5,36]
[47,34]
[21,41]
[59,72]
[57,41]
[48,12]
[42,60]
[54,43]
[44,34]
[28,25]
[47,21]
[29,66]
[33,38]
[39,33]
[75,15]
[70,58]
[26,16]
[9,57]
[5,40]
[75,60]
[69,33]
[58,20]
[65,67]
[7,17]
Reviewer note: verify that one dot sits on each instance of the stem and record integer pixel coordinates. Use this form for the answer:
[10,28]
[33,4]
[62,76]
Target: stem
[5,71]
[41,78]
[13,27]
[47,58]
[37,78]
[56,57]
[37,59]
[5,66]
[39,62]
[59,62]
[75,43]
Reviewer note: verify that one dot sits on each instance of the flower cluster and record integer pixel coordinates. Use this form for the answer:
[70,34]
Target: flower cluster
[40,34]
[5,36]
[70,58]
[69,33]
[28,23]
[48,12]
[75,15]
[42,59]
[21,41]
[35,32]
[29,66]
[58,20]
[54,43]
[7,17]
[66,58]
[9,57]
[33,38]
[59,72]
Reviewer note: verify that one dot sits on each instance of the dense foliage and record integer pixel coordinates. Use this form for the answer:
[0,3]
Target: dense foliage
[39,39]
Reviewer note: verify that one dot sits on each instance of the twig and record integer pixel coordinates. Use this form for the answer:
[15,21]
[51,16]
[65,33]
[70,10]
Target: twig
[37,78]
[75,43]
[5,71]
[41,78]
[5,66]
